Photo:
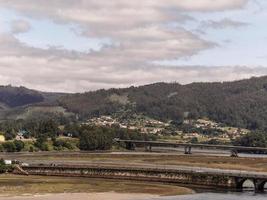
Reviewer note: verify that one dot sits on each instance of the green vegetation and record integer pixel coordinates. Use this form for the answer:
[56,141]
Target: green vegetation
[19,96]
[101,138]
[253,139]
[3,167]
[240,104]
[43,134]
[92,138]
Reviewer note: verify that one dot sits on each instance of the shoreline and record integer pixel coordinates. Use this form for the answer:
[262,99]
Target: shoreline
[81,196]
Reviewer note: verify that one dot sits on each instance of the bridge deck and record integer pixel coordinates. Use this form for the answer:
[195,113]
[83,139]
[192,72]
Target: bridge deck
[162,168]
[170,144]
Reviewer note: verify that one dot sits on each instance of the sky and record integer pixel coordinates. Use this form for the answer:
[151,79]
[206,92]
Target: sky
[84,45]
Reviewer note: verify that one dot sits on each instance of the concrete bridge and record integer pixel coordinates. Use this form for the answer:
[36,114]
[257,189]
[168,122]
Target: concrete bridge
[224,179]
[131,145]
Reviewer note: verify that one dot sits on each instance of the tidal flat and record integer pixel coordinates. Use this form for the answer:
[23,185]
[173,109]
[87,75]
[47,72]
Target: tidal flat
[45,188]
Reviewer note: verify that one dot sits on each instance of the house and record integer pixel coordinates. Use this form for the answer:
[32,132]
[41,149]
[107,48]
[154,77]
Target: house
[2,138]
[8,162]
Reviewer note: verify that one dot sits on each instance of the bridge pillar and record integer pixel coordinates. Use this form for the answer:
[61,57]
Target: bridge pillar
[259,185]
[187,150]
[130,146]
[239,183]
[234,153]
[148,147]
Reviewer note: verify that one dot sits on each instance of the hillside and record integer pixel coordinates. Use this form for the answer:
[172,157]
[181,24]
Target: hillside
[239,103]
[18,96]
[17,101]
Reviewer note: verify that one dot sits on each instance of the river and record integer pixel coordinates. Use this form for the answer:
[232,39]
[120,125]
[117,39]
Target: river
[217,196]
[125,196]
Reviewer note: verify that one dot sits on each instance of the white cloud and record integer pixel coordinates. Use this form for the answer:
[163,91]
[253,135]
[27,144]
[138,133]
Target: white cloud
[20,26]
[140,34]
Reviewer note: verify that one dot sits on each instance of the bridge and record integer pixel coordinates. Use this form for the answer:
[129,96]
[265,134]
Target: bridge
[131,145]
[203,177]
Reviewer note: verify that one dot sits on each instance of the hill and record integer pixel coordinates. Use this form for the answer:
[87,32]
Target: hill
[239,103]
[18,96]
[17,101]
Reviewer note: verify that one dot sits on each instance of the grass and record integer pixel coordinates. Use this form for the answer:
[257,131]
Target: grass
[18,185]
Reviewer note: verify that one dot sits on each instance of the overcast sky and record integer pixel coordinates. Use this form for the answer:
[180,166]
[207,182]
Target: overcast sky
[81,45]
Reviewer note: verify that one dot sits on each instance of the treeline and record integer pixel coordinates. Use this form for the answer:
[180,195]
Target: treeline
[253,139]
[36,125]
[44,133]
[241,103]
[101,138]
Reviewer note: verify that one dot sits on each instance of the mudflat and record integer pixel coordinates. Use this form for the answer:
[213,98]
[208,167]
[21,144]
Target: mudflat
[27,187]
[82,196]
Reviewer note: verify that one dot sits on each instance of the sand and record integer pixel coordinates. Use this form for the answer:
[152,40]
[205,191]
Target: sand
[82,196]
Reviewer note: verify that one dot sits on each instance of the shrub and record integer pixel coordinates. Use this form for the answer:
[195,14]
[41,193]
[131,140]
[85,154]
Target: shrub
[19,145]
[9,146]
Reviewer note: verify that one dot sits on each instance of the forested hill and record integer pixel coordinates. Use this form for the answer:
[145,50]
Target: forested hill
[18,96]
[240,103]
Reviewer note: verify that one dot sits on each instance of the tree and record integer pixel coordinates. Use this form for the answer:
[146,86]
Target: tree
[10,134]
[19,145]
[9,146]
[253,139]
[48,127]
[41,142]
[95,139]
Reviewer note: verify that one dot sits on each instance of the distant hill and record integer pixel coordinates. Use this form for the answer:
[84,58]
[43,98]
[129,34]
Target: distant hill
[239,103]
[18,96]
[16,101]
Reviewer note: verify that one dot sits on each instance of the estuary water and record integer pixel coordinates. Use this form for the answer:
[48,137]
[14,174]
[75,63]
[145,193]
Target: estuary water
[217,196]
[118,196]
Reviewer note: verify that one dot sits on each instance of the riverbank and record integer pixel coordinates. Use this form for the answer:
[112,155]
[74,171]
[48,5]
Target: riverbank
[11,185]
[82,196]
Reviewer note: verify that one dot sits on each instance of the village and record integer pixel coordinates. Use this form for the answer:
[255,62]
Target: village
[201,130]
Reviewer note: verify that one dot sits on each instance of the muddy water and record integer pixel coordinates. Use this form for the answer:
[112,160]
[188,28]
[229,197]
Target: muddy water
[217,196]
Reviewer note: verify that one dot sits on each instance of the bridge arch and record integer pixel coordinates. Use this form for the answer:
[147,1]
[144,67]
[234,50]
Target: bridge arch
[246,183]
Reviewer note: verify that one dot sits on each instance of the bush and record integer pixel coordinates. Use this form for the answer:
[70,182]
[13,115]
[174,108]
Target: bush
[31,149]
[3,167]
[253,139]
[19,145]
[41,143]
[1,148]
[9,146]
[9,135]
[61,144]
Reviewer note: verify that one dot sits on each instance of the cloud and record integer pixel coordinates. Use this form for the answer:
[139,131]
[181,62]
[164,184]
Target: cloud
[57,70]
[20,26]
[222,24]
[140,34]
[113,66]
